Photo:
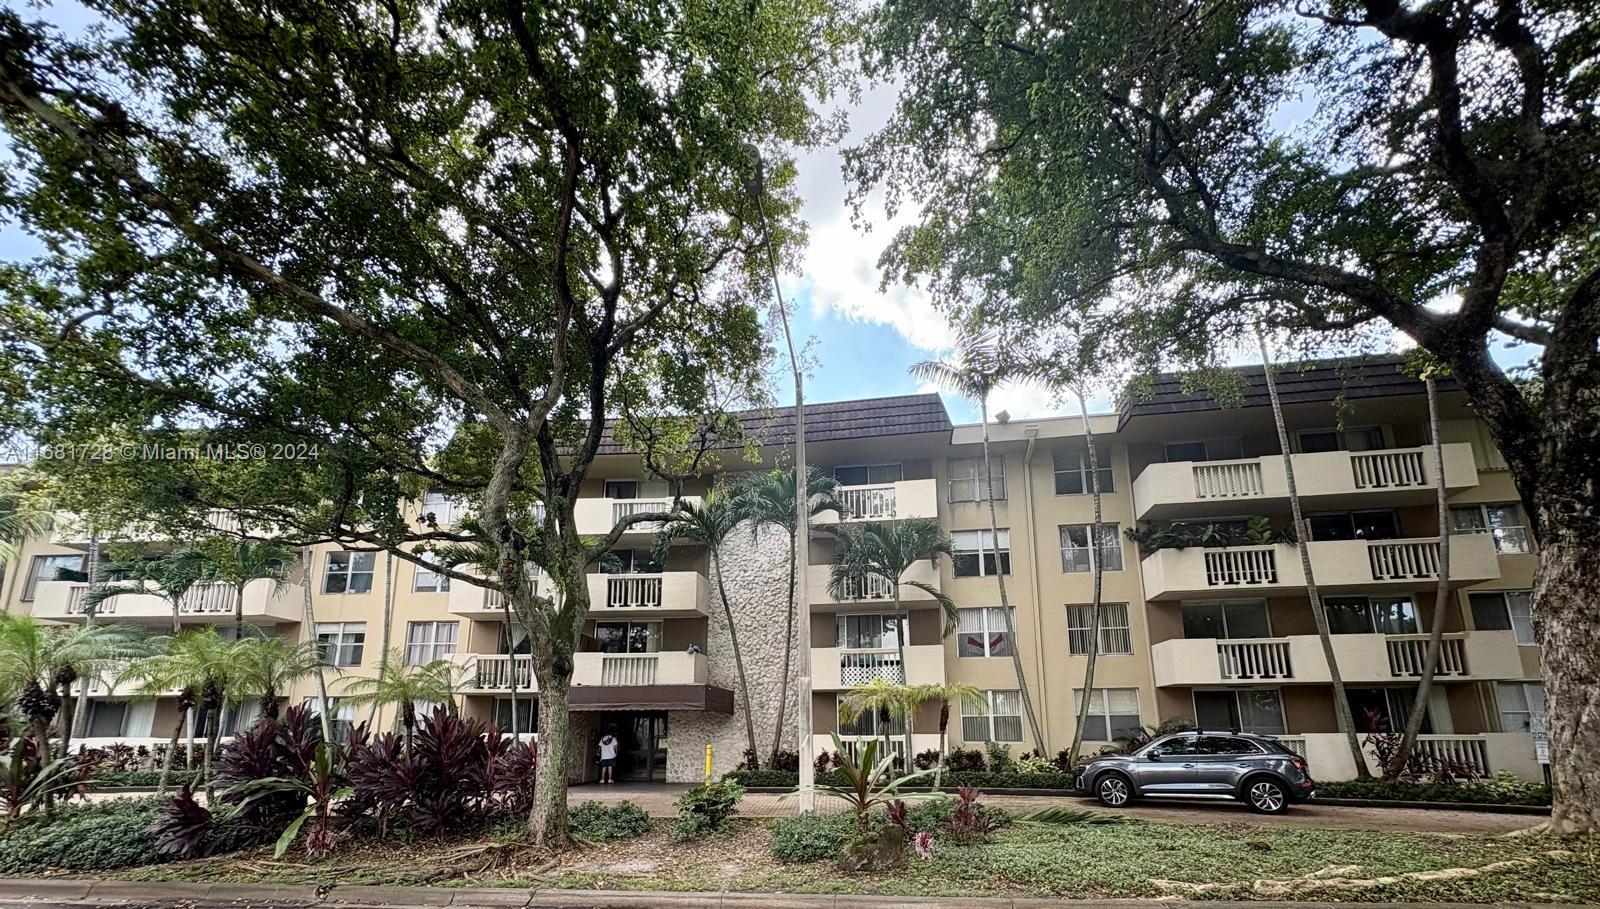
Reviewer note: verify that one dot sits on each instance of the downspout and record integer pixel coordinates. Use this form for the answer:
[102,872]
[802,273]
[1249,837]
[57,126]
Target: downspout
[1031,431]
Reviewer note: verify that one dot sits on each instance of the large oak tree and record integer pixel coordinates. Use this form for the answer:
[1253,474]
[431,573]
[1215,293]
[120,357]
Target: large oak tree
[1159,174]
[437,244]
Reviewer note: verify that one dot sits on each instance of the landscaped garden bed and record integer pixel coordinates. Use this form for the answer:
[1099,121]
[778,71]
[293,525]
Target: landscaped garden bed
[1502,789]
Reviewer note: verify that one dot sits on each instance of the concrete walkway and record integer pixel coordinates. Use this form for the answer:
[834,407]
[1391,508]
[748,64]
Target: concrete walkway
[38,894]
[660,799]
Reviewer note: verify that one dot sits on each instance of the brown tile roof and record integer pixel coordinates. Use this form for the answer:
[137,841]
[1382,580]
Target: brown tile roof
[1311,381]
[835,420]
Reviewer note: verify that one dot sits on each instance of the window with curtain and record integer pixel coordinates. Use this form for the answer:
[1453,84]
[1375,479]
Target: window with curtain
[994,716]
[47,568]
[1503,520]
[1504,610]
[1075,554]
[628,637]
[1521,706]
[427,580]
[429,641]
[868,631]
[1226,619]
[106,719]
[869,474]
[349,572]
[342,643]
[1367,438]
[527,714]
[1115,635]
[976,554]
[966,479]
[1113,713]
[436,503]
[1071,467]
[981,632]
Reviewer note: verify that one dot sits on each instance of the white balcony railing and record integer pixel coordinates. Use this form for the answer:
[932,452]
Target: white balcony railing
[495,671]
[871,587]
[1237,567]
[1388,469]
[1408,654]
[1228,480]
[633,591]
[629,507]
[1401,560]
[868,503]
[1255,659]
[860,667]
[629,669]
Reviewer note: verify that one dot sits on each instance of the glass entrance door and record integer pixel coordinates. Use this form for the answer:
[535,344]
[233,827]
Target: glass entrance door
[642,756]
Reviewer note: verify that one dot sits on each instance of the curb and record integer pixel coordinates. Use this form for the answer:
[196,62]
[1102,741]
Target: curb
[87,892]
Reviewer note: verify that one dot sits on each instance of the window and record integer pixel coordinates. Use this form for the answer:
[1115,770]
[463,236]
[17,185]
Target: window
[868,631]
[1255,710]
[631,561]
[514,639]
[342,643]
[993,716]
[966,479]
[1366,438]
[427,580]
[977,556]
[981,632]
[1223,449]
[237,718]
[1384,709]
[1226,620]
[1184,451]
[342,715]
[622,489]
[869,474]
[1075,554]
[628,637]
[1115,636]
[871,724]
[1371,615]
[106,719]
[1504,610]
[527,715]
[429,641]
[439,505]
[349,572]
[1225,745]
[1072,471]
[1113,713]
[1503,520]
[1521,706]
[1182,746]
[49,568]
[1355,525]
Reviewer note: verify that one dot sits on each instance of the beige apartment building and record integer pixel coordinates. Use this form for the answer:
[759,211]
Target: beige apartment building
[1206,614]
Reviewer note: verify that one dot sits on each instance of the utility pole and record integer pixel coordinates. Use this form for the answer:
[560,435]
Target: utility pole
[755,187]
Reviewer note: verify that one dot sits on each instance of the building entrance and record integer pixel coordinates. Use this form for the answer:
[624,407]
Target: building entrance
[643,737]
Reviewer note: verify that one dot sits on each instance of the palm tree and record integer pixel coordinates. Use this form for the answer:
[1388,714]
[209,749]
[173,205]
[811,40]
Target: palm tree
[944,693]
[310,616]
[236,563]
[888,700]
[771,500]
[21,517]
[981,366]
[709,524]
[388,620]
[886,551]
[265,667]
[199,664]
[1341,706]
[1097,562]
[41,662]
[169,577]
[405,686]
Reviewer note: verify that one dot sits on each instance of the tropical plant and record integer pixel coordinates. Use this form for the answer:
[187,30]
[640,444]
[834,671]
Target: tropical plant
[266,667]
[457,772]
[886,700]
[709,524]
[24,513]
[1097,553]
[320,784]
[982,363]
[198,663]
[771,499]
[868,783]
[886,551]
[28,778]
[706,809]
[944,694]
[41,662]
[405,686]
[1071,817]
[170,577]
[238,562]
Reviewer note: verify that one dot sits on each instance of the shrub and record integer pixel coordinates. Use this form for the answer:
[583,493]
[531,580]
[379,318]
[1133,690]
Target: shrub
[999,756]
[928,816]
[971,821]
[93,837]
[962,759]
[1502,789]
[787,761]
[810,837]
[595,821]
[1036,765]
[145,779]
[926,760]
[778,779]
[706,809]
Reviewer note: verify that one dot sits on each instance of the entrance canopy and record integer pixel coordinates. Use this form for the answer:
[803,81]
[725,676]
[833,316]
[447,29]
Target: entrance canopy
[650,697]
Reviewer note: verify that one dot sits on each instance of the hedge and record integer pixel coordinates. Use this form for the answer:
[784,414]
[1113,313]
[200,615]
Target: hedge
[980,779]
[142,779]
[93,837]
[1503,789]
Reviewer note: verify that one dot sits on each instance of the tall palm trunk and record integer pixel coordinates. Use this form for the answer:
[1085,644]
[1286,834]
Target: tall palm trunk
[944,742]
[1441,597]
[238,611]
[900,632]
[1341,703]
[788,651]
[738,659]
[81,723]
[65,714]
[511,662]
[172,744]
[1000,580]
[325,721]
[388,626]
[1097,563]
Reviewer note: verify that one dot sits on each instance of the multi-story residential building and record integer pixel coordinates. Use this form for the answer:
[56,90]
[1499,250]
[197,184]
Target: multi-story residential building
[1206,615]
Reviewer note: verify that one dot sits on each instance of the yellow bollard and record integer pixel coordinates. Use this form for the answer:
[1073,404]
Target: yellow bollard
[708,762]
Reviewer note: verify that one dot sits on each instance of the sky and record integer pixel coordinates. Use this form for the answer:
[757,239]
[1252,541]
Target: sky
[860,338]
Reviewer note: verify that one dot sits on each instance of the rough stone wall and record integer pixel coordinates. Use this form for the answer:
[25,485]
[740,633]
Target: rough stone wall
[756,575]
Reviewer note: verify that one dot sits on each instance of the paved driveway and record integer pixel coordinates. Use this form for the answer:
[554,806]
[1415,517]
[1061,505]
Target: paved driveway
[660,799]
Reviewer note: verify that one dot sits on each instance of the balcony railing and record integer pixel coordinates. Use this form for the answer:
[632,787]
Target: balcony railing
[633,591]
[1228,480]
[1364,658]
[1402,560]
[1388,469]
[627,508]
[629,669]
[495,671]
[1409,654]
[867,503]
[1254,659]
[871,587]
[861,667]
[1237,567]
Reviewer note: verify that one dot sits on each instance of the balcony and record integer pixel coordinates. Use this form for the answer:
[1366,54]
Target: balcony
[493,672]
[1362,658]
[872,590]
[1341,566]
[596,516]
[668,594]
[1328,753]
[202,604]
[1324,479]
[920,742]
[836,669]
[474,602]
[884,502]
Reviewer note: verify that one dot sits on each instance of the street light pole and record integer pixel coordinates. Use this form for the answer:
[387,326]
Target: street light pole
[754,186]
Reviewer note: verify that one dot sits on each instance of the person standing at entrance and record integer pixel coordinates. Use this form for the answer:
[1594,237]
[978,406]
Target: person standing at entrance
[607,750]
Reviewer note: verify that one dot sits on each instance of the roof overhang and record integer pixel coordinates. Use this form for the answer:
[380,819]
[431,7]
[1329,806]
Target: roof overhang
[650,697]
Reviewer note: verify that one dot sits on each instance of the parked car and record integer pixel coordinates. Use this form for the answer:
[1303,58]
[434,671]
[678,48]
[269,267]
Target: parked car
[1255,769]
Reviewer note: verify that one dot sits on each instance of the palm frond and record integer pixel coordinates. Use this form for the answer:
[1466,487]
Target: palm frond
[1071,817]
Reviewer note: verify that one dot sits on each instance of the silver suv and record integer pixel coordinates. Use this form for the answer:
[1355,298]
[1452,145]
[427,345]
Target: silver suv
[1255,769]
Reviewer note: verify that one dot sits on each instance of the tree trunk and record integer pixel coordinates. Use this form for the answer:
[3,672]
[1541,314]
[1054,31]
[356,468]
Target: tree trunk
[1566,589]
[788,654]
[1099,586]
[1443,602]
[738,661]
[81,720]
[64,719]
[212,721]
[1341,703]
[325,721]
[900,631]
[1000,580]
[388,625]
[547,822]
[511,659]
[944,742]
[172,746]
[238,611]
[269,704]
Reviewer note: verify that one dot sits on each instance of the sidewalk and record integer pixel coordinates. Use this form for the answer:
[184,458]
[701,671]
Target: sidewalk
[36,894]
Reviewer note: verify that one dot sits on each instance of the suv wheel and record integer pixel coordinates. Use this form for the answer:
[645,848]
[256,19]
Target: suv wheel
[1113,790]
[1266,796]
